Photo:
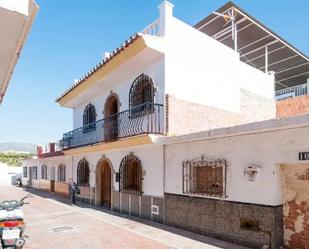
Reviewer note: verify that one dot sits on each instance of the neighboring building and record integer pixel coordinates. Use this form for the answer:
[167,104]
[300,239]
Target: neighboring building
[9,174]
[16,18]
[176,127]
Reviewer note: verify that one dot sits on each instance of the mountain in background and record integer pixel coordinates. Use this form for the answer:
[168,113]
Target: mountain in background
[18,147]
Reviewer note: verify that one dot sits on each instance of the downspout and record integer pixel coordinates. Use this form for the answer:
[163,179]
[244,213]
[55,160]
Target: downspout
[72,168]
[164,148]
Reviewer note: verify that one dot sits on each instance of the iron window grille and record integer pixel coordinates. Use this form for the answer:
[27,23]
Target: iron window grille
[205,177]
[83,173]
[142,91]
[25,172]
[89,119]
[130,175]
[44,172]
[61,173]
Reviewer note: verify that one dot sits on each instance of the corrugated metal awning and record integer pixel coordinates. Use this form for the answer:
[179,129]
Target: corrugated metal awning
[258,45]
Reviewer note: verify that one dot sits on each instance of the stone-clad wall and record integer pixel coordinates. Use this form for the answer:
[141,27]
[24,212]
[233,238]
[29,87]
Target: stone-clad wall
[222,219]
[254,108]
[139,206]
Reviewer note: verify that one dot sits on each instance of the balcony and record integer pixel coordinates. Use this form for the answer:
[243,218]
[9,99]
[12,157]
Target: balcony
[292,101]
[153,28]
[291,92]
[143,119]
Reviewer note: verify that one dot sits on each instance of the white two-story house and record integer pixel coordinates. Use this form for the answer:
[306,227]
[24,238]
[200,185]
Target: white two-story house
[132,110]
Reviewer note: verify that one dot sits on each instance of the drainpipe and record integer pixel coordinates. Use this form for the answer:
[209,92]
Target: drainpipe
[72,169]
[164,148]
[307,86]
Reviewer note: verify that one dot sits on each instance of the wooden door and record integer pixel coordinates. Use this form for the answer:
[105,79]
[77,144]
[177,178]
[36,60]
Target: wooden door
[106,185]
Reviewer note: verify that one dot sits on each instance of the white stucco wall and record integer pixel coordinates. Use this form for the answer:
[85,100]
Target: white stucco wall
[52,166]
[265,149]
[202,70]
[21,6]
[151,157]
[120,81]
[9,174]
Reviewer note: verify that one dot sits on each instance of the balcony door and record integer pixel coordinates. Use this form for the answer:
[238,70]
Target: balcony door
[111,110]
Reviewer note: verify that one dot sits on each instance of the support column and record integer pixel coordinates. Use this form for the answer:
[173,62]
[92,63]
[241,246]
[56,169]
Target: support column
[307,86]
[266,59]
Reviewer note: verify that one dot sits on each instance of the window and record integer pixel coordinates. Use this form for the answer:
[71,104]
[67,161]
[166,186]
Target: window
[89,119]
[44,172]
[34,172]
[141,97]
[130,175]
[83,173]
[61,173]
[202,177]
[25,172]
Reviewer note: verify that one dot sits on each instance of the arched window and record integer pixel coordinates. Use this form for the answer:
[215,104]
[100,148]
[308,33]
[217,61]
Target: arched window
[141,96]
[61,173]
[83,173]
[89,118]
[44,172]
[131,175]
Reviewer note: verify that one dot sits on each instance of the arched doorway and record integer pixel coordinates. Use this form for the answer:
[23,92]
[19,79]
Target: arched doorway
[111,118]
[104,183]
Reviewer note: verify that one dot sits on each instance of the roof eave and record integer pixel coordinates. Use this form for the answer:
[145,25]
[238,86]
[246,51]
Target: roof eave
[118,57]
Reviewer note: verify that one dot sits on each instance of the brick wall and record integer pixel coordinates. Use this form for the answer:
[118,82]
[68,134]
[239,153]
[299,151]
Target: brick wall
[292,106]
[183,117]
[295,183]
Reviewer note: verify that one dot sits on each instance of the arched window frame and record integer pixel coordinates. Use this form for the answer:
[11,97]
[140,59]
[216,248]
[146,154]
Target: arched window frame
[141,96]
[89,118]
[130,175]
[83,173]
[61,172]
[44,172]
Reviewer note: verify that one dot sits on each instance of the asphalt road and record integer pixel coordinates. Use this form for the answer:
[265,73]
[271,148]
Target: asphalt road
[53,223]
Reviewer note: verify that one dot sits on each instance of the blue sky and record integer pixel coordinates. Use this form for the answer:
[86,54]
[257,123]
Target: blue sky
[69,37]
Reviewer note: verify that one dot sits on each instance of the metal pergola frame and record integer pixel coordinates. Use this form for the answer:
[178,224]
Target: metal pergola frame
[257,45]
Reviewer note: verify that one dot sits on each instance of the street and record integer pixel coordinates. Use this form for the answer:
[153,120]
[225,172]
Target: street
[53,223]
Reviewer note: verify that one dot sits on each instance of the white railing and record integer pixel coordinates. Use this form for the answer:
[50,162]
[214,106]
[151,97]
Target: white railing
[291,92]
[153,28]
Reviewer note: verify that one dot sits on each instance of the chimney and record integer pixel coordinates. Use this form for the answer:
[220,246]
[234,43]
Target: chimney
[52,147]
[166,11]
[39,150]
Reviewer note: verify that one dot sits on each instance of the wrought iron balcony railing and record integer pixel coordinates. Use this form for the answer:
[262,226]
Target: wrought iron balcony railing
[143,119]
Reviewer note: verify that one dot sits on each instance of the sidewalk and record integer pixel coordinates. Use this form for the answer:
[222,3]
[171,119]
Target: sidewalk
[170,236]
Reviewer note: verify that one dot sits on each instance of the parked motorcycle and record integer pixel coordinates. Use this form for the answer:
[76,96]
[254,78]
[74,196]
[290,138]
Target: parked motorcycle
[12,224]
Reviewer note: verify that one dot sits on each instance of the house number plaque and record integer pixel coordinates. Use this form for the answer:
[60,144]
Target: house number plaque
[302,156]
